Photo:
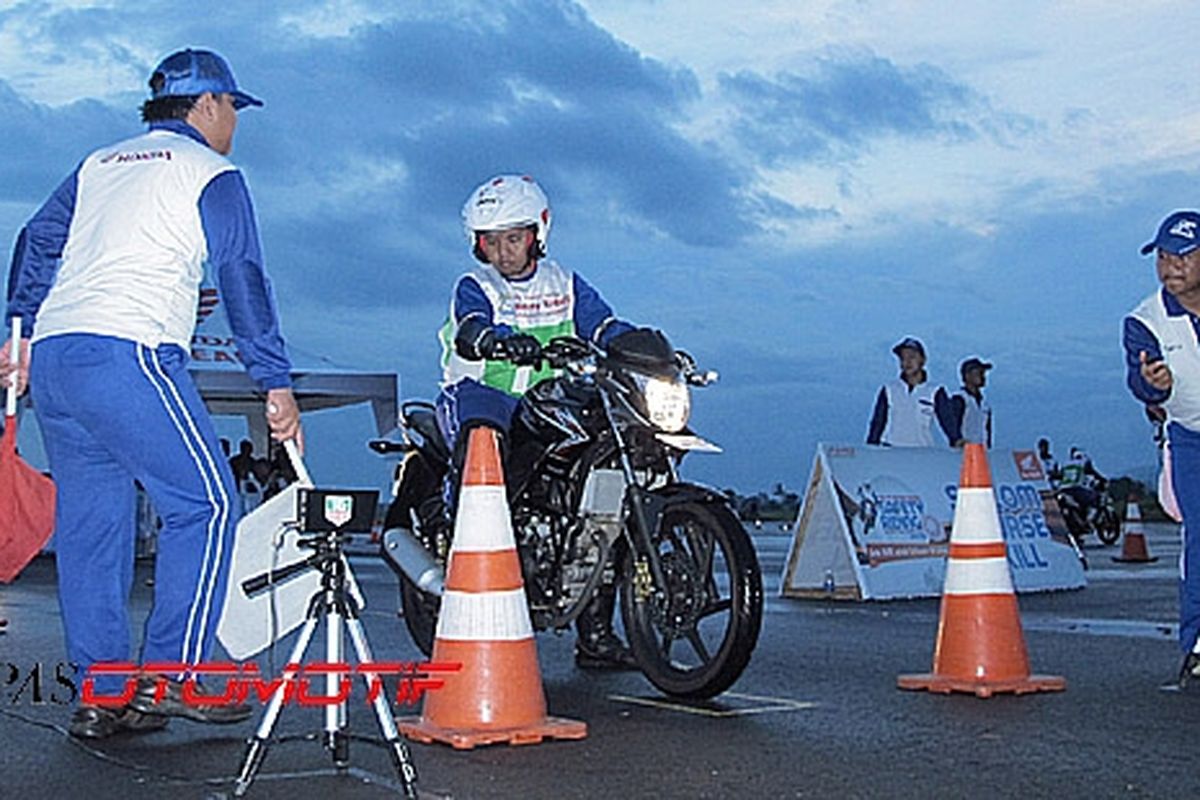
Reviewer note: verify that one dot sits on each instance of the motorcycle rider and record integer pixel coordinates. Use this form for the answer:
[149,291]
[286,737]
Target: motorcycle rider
[510,304]
[1083,482]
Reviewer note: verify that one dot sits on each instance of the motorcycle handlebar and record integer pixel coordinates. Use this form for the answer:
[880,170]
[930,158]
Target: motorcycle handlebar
[559,352]
[562,352]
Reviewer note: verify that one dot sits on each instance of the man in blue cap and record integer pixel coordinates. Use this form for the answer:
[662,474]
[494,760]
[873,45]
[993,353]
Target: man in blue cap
[969,415]
[1162,363]
[906,406]
[105,278]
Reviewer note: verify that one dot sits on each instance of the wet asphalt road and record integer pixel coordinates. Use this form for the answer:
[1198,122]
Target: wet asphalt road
[817,713]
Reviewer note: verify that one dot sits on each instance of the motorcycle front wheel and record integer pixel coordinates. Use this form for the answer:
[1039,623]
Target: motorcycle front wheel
[694,637]
[1108,526]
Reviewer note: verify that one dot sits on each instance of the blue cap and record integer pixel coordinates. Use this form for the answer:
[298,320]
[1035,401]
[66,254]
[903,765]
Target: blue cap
[911,342]
[194,72]
[1179,234]
[973,363]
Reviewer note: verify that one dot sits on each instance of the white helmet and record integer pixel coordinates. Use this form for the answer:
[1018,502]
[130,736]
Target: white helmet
[504,202]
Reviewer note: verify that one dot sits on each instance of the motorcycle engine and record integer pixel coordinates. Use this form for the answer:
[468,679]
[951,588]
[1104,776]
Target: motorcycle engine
[559,559]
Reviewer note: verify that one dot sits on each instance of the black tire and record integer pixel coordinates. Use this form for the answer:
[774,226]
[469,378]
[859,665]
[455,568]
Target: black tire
[697,641]
[420,611]
[419,487]
[1108,527]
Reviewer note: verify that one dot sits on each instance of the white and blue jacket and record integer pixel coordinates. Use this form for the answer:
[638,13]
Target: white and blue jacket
[1164,329]
[80,266]
[969,419]
[552,301]
[903,416]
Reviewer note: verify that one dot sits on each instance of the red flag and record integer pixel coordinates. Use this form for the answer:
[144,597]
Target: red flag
[26,507]
[26,496]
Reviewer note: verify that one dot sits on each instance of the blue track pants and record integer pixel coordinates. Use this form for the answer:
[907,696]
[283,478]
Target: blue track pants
[1185,479]
[111,412]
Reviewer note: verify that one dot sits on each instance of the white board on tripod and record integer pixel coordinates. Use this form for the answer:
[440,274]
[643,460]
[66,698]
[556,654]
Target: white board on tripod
[267,540]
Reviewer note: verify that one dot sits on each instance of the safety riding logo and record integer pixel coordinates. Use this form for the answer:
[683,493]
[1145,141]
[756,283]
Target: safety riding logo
[339,508]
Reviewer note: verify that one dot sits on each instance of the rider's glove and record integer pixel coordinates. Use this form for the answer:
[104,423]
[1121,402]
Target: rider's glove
[523,349]
[475,339]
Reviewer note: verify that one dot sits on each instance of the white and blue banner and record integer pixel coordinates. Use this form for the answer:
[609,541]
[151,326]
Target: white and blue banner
[875,524]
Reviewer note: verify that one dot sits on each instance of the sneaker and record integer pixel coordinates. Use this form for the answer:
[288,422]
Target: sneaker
[169,702]
[604,652]
[100,722]
[1189,673]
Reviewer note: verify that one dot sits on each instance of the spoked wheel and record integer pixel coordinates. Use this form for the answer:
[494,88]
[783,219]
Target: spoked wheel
[693,637]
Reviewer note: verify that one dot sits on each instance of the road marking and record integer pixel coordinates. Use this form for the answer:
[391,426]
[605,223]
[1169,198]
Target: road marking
[768,705]
[1161,571]
[1133,628]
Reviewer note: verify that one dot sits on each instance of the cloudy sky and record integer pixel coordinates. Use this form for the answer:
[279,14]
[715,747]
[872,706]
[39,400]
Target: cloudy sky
[787,188]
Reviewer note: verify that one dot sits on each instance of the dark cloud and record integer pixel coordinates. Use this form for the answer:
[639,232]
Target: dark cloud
[533,87]
[435,104]
[370,142]
[41,144]
[850,99]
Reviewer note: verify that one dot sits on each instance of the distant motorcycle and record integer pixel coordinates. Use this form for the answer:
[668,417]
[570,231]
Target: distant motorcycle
[1089,509]
[595,497]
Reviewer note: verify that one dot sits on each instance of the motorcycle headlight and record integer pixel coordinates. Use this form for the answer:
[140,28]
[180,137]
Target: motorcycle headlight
[668,402]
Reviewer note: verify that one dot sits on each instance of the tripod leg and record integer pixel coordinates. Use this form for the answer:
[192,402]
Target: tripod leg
[401,758]
[336,738]
[256,749]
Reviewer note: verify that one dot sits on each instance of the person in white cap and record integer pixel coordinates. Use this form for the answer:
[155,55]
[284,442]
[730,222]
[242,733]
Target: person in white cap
[906,406]
[969,415]
[106,277]
[1162,362]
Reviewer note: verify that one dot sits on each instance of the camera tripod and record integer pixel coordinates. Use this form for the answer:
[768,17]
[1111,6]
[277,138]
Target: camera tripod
[335,604]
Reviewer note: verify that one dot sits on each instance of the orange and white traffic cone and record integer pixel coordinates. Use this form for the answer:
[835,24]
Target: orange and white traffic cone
[1133,542]
[484,625]
[980,645]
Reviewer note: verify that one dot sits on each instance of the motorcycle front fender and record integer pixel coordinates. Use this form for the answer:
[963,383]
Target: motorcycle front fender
[688,441]
[645,509]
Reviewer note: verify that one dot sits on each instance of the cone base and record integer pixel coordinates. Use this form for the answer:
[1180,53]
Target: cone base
[420,730]
[1134,551]
[982,688]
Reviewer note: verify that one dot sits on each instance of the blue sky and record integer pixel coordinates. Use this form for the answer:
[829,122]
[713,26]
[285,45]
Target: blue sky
[786,188]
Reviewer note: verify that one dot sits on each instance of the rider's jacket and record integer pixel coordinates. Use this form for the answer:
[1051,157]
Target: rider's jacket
[553,301]
[1073,473]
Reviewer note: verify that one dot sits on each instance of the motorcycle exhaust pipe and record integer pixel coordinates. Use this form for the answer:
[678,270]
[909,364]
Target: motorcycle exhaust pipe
[407,553]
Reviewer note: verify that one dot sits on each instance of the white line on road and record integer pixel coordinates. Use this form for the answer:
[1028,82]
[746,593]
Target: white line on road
[762,705]
[1134,628]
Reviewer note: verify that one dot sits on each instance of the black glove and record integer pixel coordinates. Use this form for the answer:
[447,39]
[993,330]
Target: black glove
[523,350]
[475,339]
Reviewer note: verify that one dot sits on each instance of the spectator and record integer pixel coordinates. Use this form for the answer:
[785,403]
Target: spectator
[969,416]
[906,406]
[1049,463]
[246,474]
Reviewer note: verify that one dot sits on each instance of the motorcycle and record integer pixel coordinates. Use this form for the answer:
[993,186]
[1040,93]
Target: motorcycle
[595,497]
[1089,509]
